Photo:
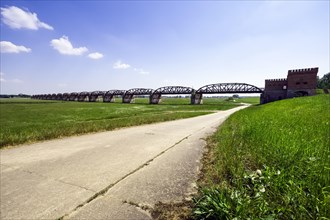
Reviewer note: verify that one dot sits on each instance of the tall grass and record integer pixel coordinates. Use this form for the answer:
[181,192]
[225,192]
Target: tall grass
[25,120]
[270,162]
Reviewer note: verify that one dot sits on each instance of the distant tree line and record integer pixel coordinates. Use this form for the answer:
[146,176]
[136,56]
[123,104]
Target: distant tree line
[324,82]
[15,96]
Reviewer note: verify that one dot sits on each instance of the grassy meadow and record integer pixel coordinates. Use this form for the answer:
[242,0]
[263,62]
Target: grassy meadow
[269,161]
[26,120]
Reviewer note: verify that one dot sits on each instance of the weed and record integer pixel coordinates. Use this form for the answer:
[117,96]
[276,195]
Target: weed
[270,162]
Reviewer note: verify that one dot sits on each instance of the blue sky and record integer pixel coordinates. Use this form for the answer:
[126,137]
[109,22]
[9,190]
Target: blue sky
[67,46]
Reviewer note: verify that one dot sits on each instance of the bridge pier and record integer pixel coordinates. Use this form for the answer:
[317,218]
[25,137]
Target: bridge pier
[128,98]
[155,98]
[196,99]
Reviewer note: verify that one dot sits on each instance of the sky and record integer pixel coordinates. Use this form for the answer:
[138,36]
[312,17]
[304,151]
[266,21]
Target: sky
[73,46]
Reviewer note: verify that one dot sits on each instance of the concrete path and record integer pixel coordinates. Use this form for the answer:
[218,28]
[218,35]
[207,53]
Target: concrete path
[110,175]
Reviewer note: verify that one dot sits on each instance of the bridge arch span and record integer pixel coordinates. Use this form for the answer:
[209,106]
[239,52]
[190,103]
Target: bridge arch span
[128,97]
[229,88]
[93,96]
[83,96]
[155,97]
[49,97]
[222,88]
[139,91]
[167,90]
[109,96]
[42,96]
[53,96]
[59,96]
[66,96]
[73,96]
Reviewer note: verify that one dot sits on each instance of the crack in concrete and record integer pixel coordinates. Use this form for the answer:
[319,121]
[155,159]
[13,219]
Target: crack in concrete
[144,207]
[106,189]
[72,184]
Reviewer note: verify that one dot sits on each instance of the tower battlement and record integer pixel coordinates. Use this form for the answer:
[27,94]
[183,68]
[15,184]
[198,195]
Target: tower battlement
[304,71]
[275,84]
[276,80]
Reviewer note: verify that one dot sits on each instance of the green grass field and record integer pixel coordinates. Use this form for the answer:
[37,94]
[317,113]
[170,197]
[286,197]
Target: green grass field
[26,120]
[269,162]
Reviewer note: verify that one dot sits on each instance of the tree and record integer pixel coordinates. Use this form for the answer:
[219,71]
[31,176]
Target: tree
[324,82]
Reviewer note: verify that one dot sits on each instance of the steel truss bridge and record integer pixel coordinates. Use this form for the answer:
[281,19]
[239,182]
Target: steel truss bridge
[229,88]
[128,96]
[155,97]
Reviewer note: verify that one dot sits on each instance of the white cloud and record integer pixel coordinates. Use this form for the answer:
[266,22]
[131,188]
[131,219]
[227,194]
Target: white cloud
[95,56]
[2,79]
[9,47]
[120,65]
[64,46]
[17,18]
[141,71]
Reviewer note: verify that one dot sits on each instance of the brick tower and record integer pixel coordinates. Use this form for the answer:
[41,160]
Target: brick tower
[299,82]
[302,82]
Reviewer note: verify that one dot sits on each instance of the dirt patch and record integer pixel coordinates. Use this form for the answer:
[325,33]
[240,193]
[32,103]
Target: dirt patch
[184,210]
[175,211]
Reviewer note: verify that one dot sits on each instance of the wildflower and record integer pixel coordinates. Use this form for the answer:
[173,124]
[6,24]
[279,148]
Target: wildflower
[259,172]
